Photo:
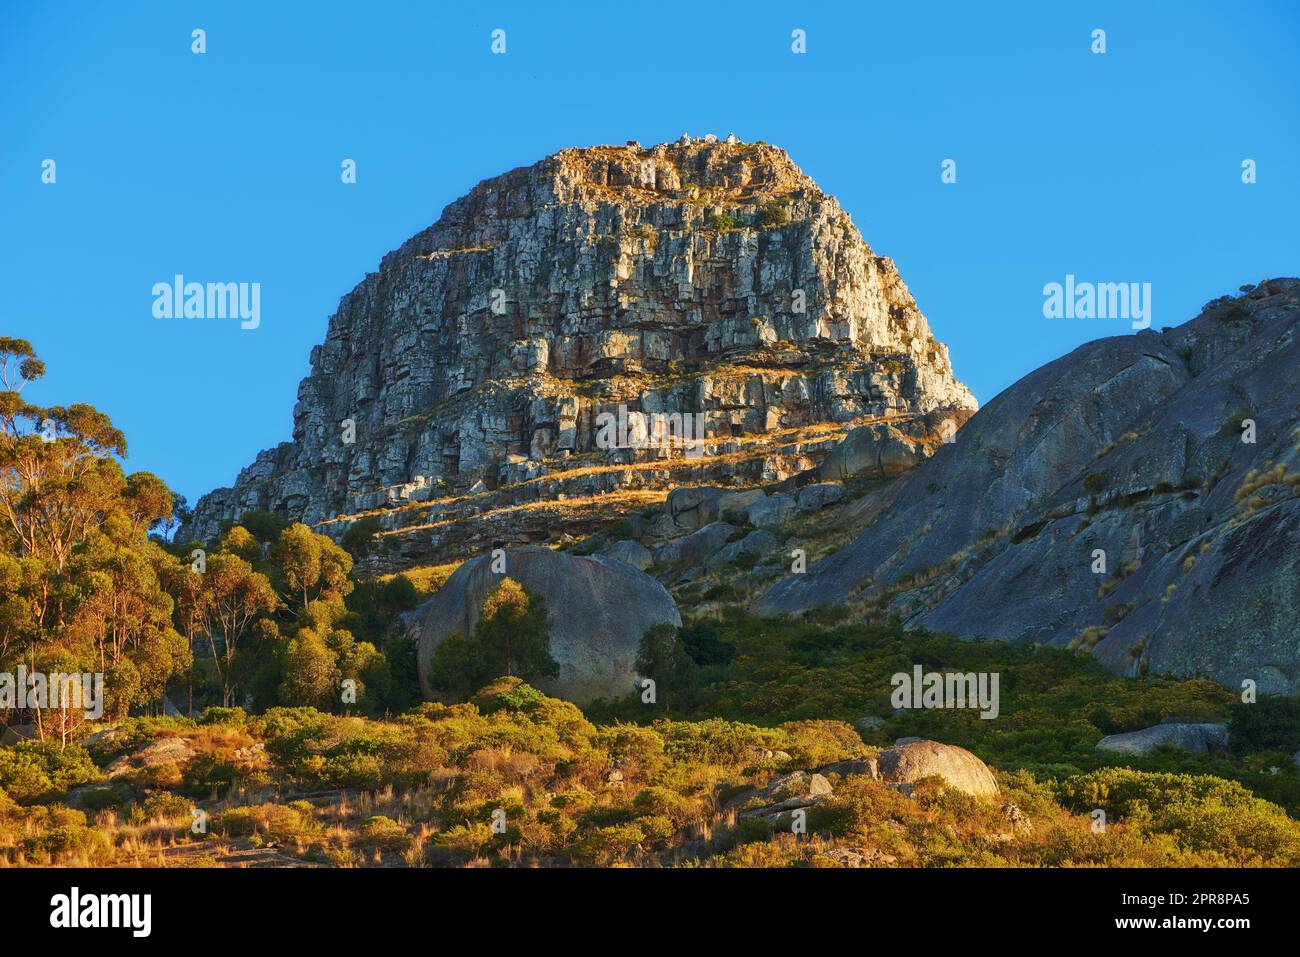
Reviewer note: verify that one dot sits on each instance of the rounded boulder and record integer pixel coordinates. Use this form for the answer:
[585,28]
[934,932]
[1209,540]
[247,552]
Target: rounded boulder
[961,770]
[598,607]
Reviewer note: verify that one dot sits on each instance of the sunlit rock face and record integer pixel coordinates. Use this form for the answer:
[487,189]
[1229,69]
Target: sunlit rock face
[701,278]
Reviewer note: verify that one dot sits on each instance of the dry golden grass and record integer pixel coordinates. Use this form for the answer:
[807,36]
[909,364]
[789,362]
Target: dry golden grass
[594,505]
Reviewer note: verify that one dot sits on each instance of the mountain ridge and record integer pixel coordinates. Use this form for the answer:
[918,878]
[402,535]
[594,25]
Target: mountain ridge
[1133,446]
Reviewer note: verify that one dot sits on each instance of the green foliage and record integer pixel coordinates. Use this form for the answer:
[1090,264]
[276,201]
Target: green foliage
[721,222]
[1270,723]
[215,715]
[276,822]
[703,642]
[512,637]
[1055,706]
[376,605]
[82,585]
[358,540]
[384,833]
[663,658]
[424,788]
[309,565]
[454,667]
[1201,813]
[265,526]
[510,694]
[30,770]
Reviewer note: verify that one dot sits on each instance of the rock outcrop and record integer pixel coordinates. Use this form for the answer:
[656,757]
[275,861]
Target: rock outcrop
[161,751]
[461,384]
[910,762]
[1138,498]
[912,759]
[1195,738]
[783,794]
[599,609]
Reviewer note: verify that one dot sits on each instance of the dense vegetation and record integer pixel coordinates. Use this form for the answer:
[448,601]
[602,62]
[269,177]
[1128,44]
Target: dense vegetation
[1055,705]
[311,745]
[89,582]
[514,777]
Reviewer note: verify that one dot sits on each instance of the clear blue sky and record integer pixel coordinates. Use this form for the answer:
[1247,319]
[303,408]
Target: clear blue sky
[1122,166]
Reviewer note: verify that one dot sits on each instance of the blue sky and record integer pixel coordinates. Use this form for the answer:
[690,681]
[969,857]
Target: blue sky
[1117,167]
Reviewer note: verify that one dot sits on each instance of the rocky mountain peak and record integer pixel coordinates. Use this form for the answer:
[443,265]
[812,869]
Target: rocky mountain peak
[692,278]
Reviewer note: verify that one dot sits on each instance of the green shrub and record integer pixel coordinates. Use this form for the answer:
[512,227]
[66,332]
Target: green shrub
[207,776]
[218,715]
[1271,723]
[279,822]
[721,222]
[383,833]
[607,845]
[1201,813]
[29,769]
[69,839]
[163,804]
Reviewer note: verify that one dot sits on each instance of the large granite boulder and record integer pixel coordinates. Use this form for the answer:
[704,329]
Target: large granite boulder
[697,547]
[820,495]
[771,511]
[760,543]
[626,550]
[961,770]
[599,609]
[876,451]
[176,751]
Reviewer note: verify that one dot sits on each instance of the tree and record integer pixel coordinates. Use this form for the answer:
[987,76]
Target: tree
[81,585]
[662,657]
[360,537]
[310,565]
[223,603]
[454,668]
[264,525]
[511,638]
[311,674]
[513,634]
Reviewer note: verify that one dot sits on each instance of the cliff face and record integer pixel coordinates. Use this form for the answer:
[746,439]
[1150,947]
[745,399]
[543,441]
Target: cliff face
[1138,498]
[692,277]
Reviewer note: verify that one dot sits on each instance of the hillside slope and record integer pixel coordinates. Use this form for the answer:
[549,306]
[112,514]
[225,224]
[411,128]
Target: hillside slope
[1133,446]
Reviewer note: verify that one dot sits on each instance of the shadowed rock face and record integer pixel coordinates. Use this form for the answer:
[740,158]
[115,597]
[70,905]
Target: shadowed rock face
[1129,445]
[599,609]
[691,277]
